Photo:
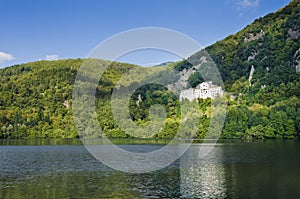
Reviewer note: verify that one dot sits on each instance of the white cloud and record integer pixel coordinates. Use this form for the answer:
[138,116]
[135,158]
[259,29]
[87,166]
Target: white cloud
[5,57]
[248,3]
[51,57]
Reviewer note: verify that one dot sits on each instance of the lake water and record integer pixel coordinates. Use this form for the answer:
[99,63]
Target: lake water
[233,169]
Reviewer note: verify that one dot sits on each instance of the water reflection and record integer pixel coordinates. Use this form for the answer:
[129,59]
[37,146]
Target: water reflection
[202,178]
[262,170]
[242,170]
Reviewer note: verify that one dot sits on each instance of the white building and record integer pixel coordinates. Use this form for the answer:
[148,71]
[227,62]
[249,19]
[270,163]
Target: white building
[204,90]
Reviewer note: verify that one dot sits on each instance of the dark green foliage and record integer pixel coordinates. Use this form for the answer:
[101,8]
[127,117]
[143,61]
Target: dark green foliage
[195,79]
[179,66]
[258,121]
[150,94]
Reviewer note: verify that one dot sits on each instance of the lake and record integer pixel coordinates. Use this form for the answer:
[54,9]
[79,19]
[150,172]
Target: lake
[233,169]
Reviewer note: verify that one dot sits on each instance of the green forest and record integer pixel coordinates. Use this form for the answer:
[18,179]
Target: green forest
[36,97]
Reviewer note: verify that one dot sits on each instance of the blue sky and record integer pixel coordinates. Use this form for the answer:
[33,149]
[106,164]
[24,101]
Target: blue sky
[57,29]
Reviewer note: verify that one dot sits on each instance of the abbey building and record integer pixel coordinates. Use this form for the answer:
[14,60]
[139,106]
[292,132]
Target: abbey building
[204,90]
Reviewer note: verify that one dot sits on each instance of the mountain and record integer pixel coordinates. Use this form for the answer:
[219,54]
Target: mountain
[260,67]
[165,63]
[270,44]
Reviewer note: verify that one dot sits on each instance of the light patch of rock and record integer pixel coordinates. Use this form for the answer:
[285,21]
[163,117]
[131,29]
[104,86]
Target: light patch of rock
[251,75]
[252,56]
[293,34]
[184,75]
[297,60]
[252,37]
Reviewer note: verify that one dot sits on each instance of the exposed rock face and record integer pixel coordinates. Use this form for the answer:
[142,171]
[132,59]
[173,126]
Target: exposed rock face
[251,74]
[298,68]
[184,75]
[293,34]
[66,104]
[297,60]
[252,56]
[252,37]
[139,100]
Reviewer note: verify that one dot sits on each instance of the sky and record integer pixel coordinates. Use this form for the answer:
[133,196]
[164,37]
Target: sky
[58,29]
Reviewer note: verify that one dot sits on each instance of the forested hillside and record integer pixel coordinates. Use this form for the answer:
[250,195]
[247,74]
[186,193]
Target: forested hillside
[265,104]
[36,98]
[268,104]
[260,66]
